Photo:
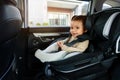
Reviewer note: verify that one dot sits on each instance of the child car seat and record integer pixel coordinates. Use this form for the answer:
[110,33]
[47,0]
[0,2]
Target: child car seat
[91,65]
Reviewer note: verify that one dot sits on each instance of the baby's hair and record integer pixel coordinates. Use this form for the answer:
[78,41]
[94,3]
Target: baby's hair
[79,18]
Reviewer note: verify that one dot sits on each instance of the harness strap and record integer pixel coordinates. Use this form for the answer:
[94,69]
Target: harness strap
[80,38]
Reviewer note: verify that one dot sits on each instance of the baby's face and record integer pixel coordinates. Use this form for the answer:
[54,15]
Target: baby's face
[76,28]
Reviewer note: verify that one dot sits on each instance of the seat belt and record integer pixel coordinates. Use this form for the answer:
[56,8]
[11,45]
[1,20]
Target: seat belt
[80,38]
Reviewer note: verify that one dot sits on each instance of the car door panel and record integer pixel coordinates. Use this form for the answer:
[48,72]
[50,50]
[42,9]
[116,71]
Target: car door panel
[40,38]
[44,36]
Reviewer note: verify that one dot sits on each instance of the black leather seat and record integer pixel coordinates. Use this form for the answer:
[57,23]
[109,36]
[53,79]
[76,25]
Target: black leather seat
[10,24]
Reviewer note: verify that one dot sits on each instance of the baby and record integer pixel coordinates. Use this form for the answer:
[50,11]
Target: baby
[78,41]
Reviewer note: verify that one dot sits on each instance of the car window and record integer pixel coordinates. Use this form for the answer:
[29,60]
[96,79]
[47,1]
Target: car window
[54,13]
[111,3]
[106,6]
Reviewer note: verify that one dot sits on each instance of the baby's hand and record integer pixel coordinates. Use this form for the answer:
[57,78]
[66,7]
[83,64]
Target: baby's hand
[60,43]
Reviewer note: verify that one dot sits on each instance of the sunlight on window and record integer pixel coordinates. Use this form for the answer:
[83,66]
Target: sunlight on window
[81,9]
[37,12]
[105,6]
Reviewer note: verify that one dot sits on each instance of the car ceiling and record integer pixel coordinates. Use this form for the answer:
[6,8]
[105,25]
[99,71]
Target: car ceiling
[117,1]
[113,3]
[71,4]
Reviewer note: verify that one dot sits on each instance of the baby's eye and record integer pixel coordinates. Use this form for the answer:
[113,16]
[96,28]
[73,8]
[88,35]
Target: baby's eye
[77,27]
[71,27]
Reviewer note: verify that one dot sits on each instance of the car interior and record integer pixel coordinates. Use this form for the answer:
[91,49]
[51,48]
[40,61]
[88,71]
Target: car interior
[19,41]
[10,25]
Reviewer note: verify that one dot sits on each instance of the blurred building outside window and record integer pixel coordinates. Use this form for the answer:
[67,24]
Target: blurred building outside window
[42,13]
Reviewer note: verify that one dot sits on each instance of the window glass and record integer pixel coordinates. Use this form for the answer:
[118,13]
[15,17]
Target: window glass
[105,6]
[58,19]
[54,13]
[111,3]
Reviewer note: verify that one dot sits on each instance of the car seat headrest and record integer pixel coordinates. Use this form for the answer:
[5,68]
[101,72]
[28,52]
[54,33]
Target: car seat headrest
[10,22]
[103,23]
[108,24]
[88,23]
